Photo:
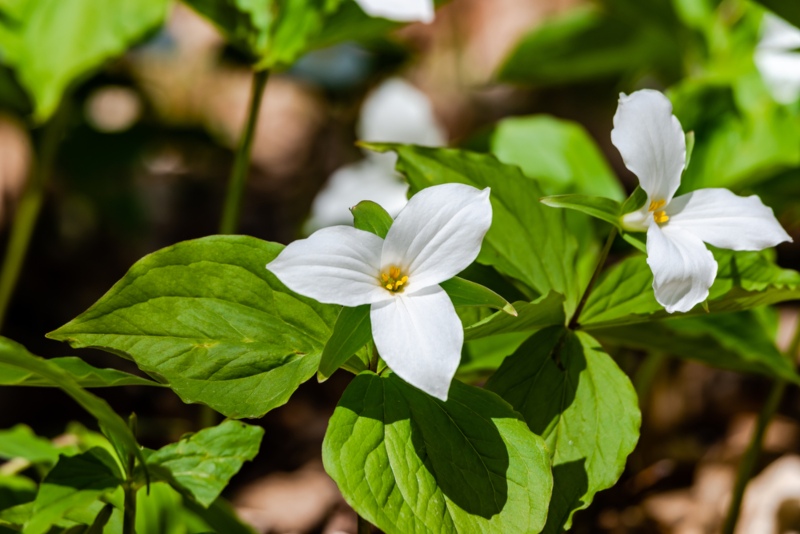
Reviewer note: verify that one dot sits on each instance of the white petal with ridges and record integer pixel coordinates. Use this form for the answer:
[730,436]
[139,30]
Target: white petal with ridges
[419,336]
[651,142]
[726,220]
[683,268]
[401,10]
[336,265]
[438,234]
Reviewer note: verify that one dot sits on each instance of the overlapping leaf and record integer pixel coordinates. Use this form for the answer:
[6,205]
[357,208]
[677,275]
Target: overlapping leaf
[745,280]
[410,463]
[573,394]
[209,319]
[53,43]
[202,464]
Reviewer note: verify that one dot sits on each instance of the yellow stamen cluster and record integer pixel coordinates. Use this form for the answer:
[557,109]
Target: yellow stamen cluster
[394,280]
[659,215]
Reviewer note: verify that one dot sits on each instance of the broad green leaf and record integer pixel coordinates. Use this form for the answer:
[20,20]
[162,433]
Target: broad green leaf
[220,516]
[352,331]
[467,293]
[744,280]
[736,341]
[544,311]
[587,44]
[85,375]
[112,425]
[16,490]
[786,9]
[557,153]
[21,442]
[273,32]
[16,516]
[408,462]
[54,43]
[202,464]
[601,208]
[245,23]
[207,318]
[371,217]
[160,509]
[73,484]
[527,241]
[573,394]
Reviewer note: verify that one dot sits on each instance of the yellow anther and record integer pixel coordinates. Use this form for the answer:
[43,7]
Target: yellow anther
[657,204]
[660,217]
[393,279]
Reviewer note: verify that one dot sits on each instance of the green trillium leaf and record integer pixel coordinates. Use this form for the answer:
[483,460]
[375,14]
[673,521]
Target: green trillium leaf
[573,394]
[72,485]
[408,462]
[113,426]
[209,320]
[371,217]
[744,280]
[601,208]
[202,464]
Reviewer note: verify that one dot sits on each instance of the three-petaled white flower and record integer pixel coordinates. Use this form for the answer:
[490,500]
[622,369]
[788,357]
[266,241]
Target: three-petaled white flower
[414,324]
[402,10]
[653,146]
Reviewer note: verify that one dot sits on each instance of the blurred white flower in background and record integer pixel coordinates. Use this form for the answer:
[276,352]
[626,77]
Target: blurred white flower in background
[777,57]
[402,10]
[395,112]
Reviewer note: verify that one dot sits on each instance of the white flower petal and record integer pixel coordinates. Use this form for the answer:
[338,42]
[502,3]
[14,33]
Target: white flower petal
[398,112]
[683,268]
[438,234]
[350,185]
[402,10]
[725,220]
[419,336]
[651,142]
[336,265]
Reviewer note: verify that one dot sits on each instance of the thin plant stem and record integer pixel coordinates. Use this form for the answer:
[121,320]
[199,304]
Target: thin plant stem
[129,488]
[751,456]
[601,261]
[229,223]
[364,526]
[28,209]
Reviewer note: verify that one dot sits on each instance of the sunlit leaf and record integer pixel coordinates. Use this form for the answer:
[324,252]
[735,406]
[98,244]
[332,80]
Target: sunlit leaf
[410,463]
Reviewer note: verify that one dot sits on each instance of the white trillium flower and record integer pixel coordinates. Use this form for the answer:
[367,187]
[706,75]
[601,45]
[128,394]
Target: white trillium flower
[401,10]
[778,59]
[395,112]
[414,324]
[653,147]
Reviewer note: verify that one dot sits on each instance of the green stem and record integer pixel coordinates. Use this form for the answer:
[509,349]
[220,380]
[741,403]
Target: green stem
[30,205]
[129,513]
[364,526]
[601,261]
[753,452]
[236,184]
